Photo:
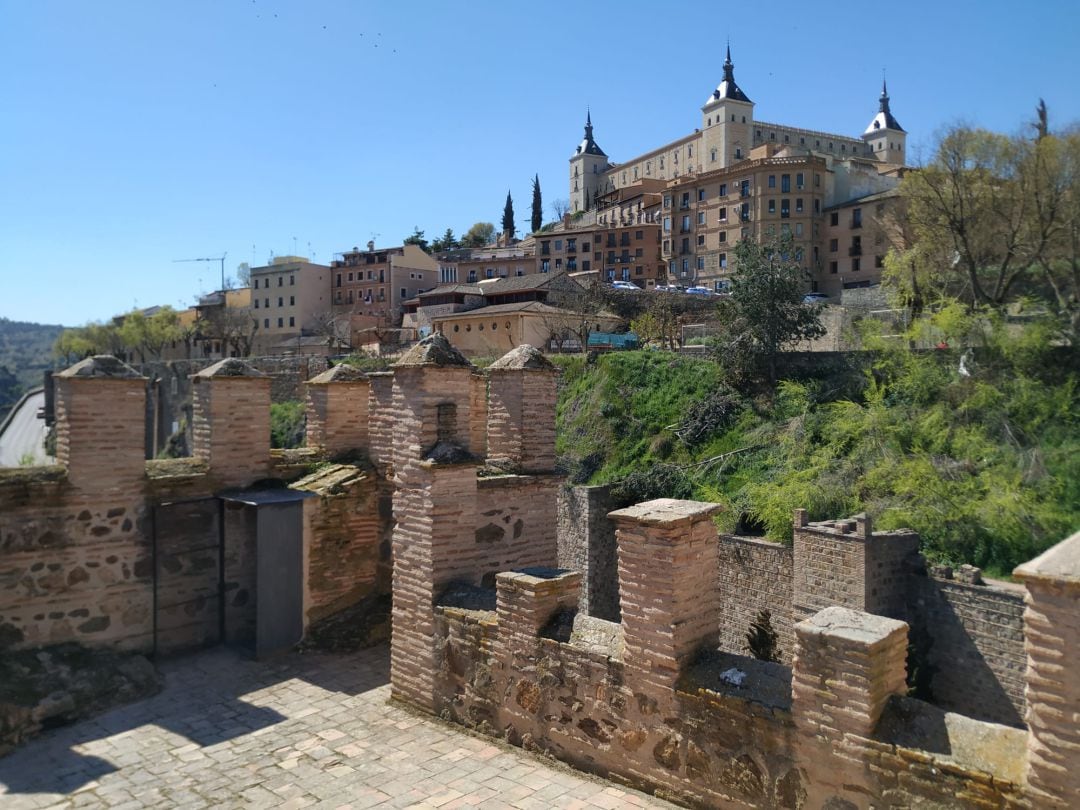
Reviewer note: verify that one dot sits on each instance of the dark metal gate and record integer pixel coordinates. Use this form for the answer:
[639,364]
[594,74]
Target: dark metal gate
[188,574]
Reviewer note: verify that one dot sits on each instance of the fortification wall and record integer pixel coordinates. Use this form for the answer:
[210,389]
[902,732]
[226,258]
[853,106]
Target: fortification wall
[754,575]
[586,542]
[976,646]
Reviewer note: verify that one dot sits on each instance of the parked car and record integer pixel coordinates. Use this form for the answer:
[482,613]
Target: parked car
[815,298]
[664,288]
[698,291]
[624,285]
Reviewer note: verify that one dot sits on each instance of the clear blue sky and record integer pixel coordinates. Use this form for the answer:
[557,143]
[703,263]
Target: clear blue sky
[135,132]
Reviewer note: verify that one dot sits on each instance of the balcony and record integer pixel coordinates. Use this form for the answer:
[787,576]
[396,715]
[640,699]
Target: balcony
[855,250]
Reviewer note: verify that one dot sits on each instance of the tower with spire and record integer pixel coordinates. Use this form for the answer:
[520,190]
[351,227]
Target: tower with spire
[727,122]
[587,167]
[884,135]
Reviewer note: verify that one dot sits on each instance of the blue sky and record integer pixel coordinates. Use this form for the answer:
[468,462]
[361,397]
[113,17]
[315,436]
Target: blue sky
[136,132]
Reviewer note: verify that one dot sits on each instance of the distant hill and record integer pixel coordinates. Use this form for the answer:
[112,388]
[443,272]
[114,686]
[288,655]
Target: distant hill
[25,353]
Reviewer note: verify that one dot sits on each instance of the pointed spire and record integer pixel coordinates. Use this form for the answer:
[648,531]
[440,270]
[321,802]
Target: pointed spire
[589,146]
[884,118]
[728,88]
[883,100]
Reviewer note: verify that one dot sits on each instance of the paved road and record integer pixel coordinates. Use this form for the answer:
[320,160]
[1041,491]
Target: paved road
[24,433]
[314,730]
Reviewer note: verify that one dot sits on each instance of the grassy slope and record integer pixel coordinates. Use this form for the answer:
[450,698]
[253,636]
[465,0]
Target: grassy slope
[986,468]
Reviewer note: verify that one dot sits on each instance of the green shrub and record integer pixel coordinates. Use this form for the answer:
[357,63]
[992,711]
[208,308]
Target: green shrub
[287,424]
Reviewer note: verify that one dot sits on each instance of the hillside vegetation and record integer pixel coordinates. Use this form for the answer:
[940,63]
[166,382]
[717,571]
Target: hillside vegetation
[979,451]
[25,353]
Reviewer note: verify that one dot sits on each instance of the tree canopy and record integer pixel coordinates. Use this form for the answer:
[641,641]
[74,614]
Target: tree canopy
[417,238]
[480,234]
[765,313]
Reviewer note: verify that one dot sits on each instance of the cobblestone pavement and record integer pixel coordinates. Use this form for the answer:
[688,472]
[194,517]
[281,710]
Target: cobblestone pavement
[306,731]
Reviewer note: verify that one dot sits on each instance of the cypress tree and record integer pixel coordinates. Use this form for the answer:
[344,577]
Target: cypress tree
[508,217]
[537,206]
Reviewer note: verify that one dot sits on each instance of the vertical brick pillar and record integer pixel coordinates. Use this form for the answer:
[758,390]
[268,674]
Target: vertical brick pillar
[231,414]
[846,666]
[100,419]
[381,420]
[668,563]
[434,506]
[1052,641]
[528,599]
[337,410]
[478,410]
[521,411]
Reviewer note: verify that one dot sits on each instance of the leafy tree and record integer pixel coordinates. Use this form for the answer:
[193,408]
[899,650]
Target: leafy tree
[480,234]
[243,274]
[765,313]
[762,638]
[560,208]
[445,242]
[508,217]
[148,335]
[537,221]
[417,238]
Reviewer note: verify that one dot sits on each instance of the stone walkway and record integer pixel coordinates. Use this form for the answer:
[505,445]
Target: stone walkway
[307,731]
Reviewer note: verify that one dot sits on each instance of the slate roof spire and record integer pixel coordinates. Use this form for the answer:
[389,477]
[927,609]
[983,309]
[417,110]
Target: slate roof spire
[884,119]
[728,88]
[589,146]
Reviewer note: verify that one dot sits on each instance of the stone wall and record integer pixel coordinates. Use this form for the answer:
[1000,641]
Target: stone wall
[653,701]
[77,540]
[586,542]
[715,729]
[976,648]
[755,575]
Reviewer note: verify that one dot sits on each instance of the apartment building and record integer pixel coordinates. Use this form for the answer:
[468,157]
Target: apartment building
[736,177]
[471,265]
[369,287]
[858,235]
[289,297]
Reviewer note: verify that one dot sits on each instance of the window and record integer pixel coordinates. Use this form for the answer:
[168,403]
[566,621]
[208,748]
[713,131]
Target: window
[558,263]
[798,205]
[700,262]
[700,241]
[292,281]
[723,214]
[350,276]
[685,203]
[667,224]
[700,194]
[833,266]
[266,323]
[266,303]
[723,260]
[667,197]
[855,265]
[256,303]
[856,218]
[879,262]
[834,218]
[785,183]
[685,223]
[723,236]
[257,283]
[723,189]
[712,156]
[701,218]
[744,188]
[545,265]
[738,154]
[404,293]
[637,235]
[772,181]
[817,206]
[799,180]
[785,208]
[280,301]
[798,229]
[338,281]
[292,300]
[292,321]
[558,244]
[744,212]
[834,245]
[585,247]
[280,281]
[772,206]
[280,322]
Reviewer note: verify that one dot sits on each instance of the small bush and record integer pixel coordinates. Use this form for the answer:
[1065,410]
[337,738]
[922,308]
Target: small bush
[287,424]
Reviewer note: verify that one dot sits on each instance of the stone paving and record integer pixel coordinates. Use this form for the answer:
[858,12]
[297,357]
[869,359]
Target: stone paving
[304,731]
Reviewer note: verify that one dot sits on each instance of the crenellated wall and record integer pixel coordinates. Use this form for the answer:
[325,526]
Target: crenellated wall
[653,700]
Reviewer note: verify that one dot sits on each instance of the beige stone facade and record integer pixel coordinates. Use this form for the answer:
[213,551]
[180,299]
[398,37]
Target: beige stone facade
[289,297]
[369,288]
[494,330]
[749,171]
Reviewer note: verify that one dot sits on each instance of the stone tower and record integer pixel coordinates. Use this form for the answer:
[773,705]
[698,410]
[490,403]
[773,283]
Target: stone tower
[727,122]
[587,167]
[884,135]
